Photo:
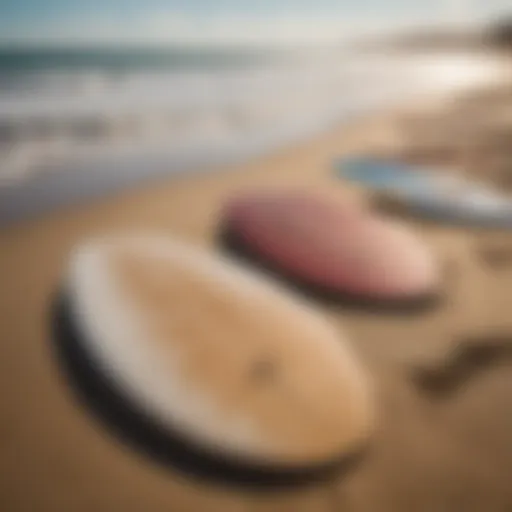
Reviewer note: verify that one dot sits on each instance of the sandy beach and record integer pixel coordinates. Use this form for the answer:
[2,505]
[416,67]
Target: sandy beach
[429,454]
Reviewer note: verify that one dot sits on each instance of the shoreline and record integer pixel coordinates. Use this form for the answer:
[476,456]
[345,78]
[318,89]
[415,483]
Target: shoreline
[41,181]
[50,191]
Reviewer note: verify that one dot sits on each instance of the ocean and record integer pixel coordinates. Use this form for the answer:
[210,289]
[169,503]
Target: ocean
[126,114]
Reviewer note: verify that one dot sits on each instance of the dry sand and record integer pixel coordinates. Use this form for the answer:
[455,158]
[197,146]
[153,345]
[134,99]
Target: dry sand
[433,455]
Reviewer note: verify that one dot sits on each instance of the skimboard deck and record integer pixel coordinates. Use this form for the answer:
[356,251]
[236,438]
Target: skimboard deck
[429,194]
[265,398]
[334,251]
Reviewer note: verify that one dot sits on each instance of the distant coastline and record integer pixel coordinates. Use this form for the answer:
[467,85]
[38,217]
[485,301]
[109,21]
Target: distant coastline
[492,36]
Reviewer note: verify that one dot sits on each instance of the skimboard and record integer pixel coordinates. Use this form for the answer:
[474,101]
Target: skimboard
[207,366]
[341,251]
[429,194]
[470,204]
[385,175]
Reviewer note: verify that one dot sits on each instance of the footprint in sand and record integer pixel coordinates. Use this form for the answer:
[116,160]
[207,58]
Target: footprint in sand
[495,257]
[471,356]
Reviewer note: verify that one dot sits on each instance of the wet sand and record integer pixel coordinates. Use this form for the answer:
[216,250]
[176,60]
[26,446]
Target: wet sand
[453,454]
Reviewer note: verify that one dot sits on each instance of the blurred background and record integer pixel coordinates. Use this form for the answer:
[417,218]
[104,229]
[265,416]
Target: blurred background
[137,89]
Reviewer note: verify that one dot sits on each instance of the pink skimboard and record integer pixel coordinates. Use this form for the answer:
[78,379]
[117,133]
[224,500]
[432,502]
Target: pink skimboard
[332,248]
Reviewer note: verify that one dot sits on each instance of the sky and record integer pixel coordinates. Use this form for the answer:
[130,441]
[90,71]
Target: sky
[225,21]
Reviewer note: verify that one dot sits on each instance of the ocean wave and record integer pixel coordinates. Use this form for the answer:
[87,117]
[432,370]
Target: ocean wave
[50,117]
